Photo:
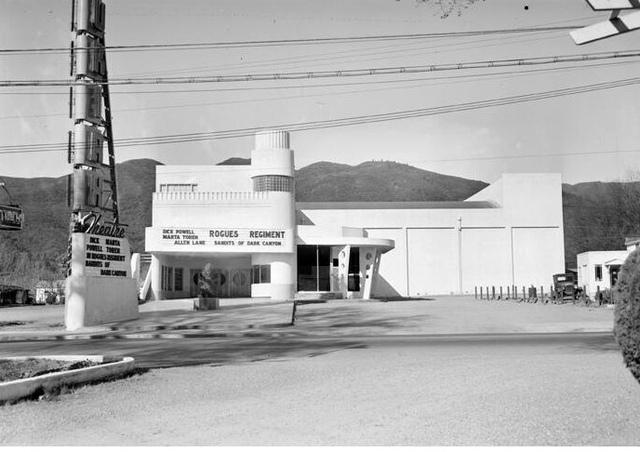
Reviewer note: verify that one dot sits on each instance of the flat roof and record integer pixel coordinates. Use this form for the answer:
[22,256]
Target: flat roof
[387,205]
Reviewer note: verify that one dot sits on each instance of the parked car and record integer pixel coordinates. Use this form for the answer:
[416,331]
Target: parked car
[565,286]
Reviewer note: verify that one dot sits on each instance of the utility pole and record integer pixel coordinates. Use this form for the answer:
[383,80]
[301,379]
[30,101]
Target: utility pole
[94,179]
[459,228]
[99,287]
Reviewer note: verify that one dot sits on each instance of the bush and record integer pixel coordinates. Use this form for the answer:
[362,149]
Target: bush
[626,295]
[205,282]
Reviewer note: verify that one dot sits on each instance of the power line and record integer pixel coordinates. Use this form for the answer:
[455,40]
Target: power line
[447,80]
[288,42]
[337,73]
[397,50]
[341,84]
[340,122]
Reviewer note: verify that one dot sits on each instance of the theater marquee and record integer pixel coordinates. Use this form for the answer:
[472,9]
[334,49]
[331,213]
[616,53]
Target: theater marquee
[98,255]
[230,240]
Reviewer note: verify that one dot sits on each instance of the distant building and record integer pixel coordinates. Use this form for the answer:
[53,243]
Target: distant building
[49,292]
[13,295]
[244,221]
[598,270]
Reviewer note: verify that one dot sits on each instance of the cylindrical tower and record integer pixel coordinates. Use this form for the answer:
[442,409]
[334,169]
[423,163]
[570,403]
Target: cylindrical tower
[273,172]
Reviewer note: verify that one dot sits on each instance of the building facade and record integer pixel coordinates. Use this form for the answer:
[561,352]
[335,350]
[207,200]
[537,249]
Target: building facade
[244,221]
[599,270]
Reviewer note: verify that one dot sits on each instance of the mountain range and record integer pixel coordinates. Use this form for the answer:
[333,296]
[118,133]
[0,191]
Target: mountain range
[597,215]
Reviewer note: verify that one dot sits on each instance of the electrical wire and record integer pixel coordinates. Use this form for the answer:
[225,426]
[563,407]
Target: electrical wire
[335,73]
[307,86]
[288,42]
[339,122]
[445,80]
[373,54]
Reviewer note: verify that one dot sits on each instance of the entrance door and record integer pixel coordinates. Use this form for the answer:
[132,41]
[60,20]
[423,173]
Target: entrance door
[613,274]
[314,264]
[225,283]
[219,282]
[240,283]
[194,277]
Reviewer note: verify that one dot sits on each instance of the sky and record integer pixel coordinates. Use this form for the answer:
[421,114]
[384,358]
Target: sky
[589,136]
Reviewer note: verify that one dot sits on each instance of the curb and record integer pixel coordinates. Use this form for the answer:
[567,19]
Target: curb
[15,390]
[138,335]
[151,332]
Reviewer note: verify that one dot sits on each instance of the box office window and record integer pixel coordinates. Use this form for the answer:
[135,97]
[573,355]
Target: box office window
[261,274]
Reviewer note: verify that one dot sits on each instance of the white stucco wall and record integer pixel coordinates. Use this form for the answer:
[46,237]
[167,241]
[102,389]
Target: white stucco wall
[191,203]
[208,178]
[511,233]
[587,263]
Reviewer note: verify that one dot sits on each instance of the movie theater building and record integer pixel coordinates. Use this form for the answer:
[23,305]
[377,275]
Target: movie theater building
[244,221]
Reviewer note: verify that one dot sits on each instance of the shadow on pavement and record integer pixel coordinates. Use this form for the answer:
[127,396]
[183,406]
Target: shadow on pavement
[162,353]
[193,352]
[354,321]
[394,299]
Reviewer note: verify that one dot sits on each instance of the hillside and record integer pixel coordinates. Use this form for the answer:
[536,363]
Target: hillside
[597,216]
[379,181]
[37,251]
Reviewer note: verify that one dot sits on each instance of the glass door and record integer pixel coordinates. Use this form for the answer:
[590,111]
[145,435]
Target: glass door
[314,268]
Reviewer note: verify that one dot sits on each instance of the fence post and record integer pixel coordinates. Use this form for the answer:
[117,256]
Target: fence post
[493,292]
[481,292]
[293,313]
[500,292]
[524,296]
[475,289]
[542,294]
[508,294]
[488,293]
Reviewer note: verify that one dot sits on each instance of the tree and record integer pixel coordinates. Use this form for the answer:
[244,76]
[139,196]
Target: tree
[626,205]
[448,7]
[627,313]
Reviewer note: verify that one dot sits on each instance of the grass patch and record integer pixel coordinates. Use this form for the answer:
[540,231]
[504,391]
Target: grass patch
[11,369]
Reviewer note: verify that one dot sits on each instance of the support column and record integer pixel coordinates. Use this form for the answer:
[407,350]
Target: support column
[156,277]
[343,272]
[369,259]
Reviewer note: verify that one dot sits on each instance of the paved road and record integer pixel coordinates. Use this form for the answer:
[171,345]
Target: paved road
[520,390]
[157,353]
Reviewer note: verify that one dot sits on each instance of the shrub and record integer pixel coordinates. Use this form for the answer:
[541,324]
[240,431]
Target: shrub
[626,295]
[205,283]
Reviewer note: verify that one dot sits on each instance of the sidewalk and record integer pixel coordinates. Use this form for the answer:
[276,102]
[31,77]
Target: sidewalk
[445,315]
